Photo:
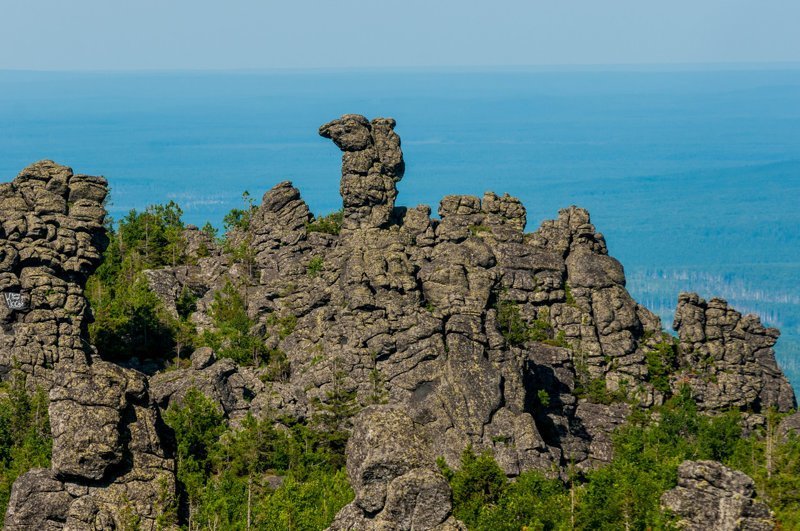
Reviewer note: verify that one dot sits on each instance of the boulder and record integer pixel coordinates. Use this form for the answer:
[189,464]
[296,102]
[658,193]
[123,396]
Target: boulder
[710,495]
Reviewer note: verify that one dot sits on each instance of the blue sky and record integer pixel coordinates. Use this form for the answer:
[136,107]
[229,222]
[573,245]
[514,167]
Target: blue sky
[245,34]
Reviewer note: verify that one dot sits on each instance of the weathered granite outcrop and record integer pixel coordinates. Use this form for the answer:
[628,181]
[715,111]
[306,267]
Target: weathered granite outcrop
[110,457]
[729,357]
[393,471]
[710,495]
[111,463]
[232,387]
[403,308]
[412,314]
[51,239]
[372,164]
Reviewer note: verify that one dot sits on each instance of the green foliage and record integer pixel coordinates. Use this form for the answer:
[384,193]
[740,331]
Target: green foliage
[226,474]
[544,397]
[511,324]
[569,298]
[155,235]
[595,390]
[198,424]
[539,330]
[626,493]
[232,336]
[662,361]
[517,331]
[129,318]
[560,340]
[647,453]
[283,325]
[238,238]
[531,502]
[278,366]
[773,461]
[334,413]
[25,440]
[378,393]
[239,218]
[478,483]
[309,504]
[210,230]
[475,230]
[186,303]
[314,266]
[330,224]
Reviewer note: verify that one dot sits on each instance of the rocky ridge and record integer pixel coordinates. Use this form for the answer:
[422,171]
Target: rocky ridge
[462,330]
[111,456]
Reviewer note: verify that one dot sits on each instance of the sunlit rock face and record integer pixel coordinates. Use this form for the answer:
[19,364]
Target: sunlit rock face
[451,331]
[710,495]
[109,452]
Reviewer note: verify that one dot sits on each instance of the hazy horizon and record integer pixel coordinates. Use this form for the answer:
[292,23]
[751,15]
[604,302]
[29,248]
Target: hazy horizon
[249,34]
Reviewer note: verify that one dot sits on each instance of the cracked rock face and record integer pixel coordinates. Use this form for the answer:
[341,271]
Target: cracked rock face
[730,356]
[393,471]
[51,239]
[402,308]
[409,312]
[710,495]
[109,450]
[372,164]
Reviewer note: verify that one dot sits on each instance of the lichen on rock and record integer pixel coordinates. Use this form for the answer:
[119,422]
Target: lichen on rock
[452,332]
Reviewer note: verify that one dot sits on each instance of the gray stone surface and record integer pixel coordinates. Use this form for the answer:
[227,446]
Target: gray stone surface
[404,308]
[109,451]
[372,164]
[729,357]
[710,495]
[400,308]
[392,469]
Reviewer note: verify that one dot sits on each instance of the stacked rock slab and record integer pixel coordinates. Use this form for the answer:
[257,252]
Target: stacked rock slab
[729,358]
[109,457]
[402,308]
[372,164]
[393,471]
[399,308]
[710,495]
[51,239]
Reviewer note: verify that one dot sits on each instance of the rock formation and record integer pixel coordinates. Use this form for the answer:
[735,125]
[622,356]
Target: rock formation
[392,469]
[52,238]
[109,457]
[372,164]
[712,496]
[456,331]
[730,356]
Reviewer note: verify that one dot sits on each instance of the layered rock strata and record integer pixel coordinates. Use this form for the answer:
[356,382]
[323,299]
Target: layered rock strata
[710,495]
[110,458]
[463,329]
[408,309]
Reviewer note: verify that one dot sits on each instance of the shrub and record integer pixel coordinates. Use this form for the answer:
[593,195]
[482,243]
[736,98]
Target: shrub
[232,337]
[314,266]
[226,474]
[25,440]
[239,218]
[662,361]
[478,483]
[330,224]
[511,324]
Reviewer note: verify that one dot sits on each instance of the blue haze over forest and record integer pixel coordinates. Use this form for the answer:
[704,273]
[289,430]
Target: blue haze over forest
[693,176]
